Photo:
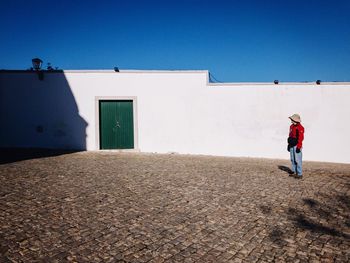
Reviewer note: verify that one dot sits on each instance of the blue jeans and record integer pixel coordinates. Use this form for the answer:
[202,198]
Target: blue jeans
[297,161]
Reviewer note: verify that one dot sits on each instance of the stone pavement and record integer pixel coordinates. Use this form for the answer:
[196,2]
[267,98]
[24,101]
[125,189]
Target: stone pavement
[132,207]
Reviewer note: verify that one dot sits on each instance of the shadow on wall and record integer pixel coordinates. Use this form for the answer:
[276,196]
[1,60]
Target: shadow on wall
[39,111]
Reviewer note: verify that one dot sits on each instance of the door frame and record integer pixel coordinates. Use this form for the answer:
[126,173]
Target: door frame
[97,121]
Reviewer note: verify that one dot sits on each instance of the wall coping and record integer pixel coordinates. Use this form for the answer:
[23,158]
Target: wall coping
[214,84]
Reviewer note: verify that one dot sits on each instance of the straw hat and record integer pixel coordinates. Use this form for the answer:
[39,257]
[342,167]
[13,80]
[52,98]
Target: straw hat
[295,117]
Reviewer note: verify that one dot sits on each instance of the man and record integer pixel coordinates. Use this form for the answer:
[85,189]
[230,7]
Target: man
[295,144]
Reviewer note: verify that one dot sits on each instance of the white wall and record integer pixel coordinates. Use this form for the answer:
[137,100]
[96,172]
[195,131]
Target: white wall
[181,112]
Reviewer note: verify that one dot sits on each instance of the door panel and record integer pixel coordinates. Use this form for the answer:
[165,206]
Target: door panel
[125,129]
[116,125]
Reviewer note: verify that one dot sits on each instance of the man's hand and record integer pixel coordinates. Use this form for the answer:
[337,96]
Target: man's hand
[298,150]
[288,148]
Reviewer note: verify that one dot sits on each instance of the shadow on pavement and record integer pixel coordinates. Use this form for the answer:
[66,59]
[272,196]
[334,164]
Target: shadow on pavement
[265,209]
[285,169]
[323,217]
[11,155]
[330,216]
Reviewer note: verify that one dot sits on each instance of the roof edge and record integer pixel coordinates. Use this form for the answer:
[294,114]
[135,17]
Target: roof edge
[223,84]
[103,71]
[214,84]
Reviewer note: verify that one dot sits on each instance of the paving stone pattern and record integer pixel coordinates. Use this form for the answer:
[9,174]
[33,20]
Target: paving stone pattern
[132,207]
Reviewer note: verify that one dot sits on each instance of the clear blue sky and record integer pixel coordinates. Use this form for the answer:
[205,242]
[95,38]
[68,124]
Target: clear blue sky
[261,40]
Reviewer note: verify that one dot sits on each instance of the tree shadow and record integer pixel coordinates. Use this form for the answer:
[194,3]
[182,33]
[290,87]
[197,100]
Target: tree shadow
[330,215]
[285,169]
[310,202]
[321,210]
[277,236]
[308,224]
[323,218]
[38,110]
[344,200]
[265,209]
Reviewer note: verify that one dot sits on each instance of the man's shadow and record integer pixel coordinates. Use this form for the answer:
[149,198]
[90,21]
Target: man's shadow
[285,169]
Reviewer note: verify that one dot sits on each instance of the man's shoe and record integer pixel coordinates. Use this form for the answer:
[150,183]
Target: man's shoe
[299,177]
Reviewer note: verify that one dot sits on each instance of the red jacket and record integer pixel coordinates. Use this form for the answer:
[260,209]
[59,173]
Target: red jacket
[297,131]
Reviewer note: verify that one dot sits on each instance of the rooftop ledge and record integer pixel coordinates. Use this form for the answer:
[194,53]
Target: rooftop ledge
[181,72]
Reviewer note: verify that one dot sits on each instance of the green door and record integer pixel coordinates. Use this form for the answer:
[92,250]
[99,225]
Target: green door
[116,124]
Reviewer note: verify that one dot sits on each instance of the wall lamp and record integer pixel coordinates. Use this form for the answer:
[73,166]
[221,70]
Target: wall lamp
[37,63]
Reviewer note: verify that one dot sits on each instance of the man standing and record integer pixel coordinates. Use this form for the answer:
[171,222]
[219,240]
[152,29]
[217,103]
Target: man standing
[295,144]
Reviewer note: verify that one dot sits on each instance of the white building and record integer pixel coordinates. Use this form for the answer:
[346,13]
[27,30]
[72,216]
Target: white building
[171,111]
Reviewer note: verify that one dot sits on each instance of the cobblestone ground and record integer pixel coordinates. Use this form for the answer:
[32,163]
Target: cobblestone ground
[113,207]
